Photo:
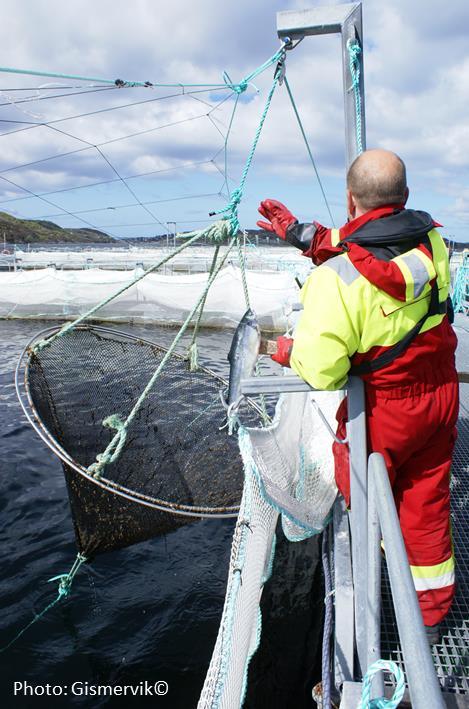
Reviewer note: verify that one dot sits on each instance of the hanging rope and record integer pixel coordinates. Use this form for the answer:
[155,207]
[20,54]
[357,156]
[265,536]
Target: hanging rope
[354,51]
[231,209]
[65,584]
[460,294]
[382,702]
[193,353]
[328,621]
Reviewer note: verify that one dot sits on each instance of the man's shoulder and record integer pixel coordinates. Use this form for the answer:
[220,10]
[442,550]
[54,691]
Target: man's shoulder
[342,267]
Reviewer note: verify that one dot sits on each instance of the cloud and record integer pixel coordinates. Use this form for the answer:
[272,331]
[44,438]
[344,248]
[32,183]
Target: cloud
[416,78]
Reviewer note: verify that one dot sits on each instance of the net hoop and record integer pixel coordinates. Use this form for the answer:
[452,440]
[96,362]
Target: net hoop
[27,404]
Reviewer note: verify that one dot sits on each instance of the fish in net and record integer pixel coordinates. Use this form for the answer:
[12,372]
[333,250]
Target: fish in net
[177,464]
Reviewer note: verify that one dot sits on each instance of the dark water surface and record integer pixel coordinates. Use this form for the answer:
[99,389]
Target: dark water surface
[146,613]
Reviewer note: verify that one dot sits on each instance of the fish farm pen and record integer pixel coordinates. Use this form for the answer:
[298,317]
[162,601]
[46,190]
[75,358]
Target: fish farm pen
[152,441]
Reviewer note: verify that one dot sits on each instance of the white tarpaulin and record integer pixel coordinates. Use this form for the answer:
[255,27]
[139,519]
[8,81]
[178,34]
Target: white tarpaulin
[51,294]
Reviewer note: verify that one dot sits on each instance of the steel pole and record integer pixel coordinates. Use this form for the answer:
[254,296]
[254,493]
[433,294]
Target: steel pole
[373,624]
[352,29]
[356,434]
[424,688]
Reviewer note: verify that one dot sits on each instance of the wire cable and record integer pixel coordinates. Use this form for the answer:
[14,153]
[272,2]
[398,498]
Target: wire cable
[295,109]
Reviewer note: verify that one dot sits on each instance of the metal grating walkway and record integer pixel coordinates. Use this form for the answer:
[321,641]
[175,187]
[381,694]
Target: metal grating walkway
[451,656]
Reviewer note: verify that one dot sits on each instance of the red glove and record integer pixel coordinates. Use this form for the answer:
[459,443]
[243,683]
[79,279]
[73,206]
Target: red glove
[278,215]
[284,348]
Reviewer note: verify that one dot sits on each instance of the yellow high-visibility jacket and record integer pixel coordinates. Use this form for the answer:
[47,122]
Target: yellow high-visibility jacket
[348,317]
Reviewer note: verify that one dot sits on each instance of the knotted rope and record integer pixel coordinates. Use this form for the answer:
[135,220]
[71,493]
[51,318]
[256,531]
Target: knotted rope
[382,702]
[65,584]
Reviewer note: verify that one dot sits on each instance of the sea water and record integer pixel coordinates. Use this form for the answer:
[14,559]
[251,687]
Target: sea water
[146,614]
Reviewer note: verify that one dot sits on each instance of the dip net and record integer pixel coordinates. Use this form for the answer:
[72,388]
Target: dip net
[175,466]
[289,474]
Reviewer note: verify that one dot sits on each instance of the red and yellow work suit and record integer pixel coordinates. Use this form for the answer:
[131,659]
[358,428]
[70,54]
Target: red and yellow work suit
[361,300]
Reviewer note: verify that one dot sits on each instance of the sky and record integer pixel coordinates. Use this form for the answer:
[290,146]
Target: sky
[160,162]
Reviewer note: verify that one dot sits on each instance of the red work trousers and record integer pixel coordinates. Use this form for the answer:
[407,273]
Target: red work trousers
[414,427]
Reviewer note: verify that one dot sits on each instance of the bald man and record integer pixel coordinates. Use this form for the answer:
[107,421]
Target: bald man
[376,307]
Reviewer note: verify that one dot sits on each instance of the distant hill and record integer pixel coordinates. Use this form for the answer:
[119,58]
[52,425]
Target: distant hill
[31,231]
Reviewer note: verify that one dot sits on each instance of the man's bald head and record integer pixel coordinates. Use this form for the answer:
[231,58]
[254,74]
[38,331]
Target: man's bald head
[376,178]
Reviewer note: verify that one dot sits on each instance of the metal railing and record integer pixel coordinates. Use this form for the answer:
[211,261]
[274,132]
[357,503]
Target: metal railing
[357,561]
[383,524]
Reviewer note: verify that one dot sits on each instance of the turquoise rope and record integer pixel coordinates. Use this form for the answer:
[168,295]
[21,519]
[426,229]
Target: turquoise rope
[228,84]
[242,86]
[193,352]
[460,294]
[354,51]
[382,702]
[227,227]
[232,207]
[114,448]
[303,133]
[65,584]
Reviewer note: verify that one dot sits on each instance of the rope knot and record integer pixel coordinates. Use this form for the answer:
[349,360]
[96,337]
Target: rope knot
[354,50]
[382,702]
[114,448]
[240,88]
[64,587]
[235,199]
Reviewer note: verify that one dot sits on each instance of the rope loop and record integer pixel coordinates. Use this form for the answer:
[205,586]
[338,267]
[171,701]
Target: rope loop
[382,702]
[231,210]
[460,289]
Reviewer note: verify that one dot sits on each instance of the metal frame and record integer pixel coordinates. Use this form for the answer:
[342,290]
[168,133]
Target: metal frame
[27,404]
[351,583]
[424,687]
[345,20]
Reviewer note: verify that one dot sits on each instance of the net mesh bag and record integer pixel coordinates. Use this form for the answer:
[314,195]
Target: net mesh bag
[176,464]
[289,470]
[293,462]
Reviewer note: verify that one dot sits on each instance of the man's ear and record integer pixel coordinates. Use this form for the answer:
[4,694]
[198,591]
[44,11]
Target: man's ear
[351,205]
[406,195]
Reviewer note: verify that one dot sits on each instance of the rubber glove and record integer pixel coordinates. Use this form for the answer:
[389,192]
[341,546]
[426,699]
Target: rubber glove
[284,348]
[278,215]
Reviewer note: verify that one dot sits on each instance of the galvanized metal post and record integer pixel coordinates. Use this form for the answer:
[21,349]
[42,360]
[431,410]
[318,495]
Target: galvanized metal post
[358,456]
[343,587]
[424,688]
[345,20]
[373,622]
[352,30]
